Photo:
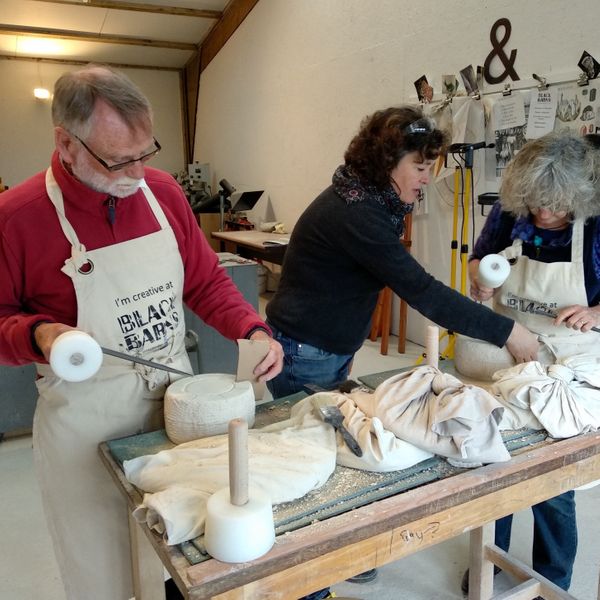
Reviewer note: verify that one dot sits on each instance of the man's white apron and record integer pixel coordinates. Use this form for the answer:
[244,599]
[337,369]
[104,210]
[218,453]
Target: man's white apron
[129,298]
[535,289]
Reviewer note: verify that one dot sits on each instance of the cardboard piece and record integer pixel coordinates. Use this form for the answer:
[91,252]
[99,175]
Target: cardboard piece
[252,352]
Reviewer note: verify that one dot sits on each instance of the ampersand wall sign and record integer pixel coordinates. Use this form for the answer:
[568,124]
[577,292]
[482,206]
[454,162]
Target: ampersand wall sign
[498,50]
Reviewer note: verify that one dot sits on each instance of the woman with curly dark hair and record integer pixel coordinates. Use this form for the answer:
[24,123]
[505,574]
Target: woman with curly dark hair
[346,247]
[385,138]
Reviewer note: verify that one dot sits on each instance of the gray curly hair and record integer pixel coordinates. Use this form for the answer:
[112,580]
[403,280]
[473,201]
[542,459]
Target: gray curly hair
[558,172]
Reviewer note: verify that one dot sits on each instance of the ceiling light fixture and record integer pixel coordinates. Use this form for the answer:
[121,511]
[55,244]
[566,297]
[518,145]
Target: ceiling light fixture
[41,93]
[40,46]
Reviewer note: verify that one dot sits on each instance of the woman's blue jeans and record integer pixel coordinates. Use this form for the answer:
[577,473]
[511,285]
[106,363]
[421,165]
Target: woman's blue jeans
[303,363]
[554,538]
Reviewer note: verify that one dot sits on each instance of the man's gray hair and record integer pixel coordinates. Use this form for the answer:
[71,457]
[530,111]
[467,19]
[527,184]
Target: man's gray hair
[76,93]
[558,172]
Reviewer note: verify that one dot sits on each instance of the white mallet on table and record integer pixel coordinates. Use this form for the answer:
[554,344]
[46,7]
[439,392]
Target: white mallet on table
[239,521]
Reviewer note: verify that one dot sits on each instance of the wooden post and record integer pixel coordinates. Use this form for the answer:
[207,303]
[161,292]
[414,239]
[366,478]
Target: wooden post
[147,568]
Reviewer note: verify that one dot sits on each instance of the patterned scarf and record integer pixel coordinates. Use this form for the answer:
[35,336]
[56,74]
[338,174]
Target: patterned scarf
[350,188]
[525,230]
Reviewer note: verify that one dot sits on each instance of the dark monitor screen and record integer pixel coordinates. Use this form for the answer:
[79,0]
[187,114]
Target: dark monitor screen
[246,201]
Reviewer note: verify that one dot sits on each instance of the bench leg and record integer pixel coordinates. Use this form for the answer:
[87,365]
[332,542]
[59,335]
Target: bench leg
[484,554]
[147,568]
[481,570]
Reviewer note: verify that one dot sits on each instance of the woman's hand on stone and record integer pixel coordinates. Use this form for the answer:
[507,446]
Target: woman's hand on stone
[522,344]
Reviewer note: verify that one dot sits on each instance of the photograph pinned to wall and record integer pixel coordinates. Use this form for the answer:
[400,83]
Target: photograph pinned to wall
[479,77]
[589,65]
[449,85]
[568,108]
[508,143]
[509,116]
[542,113]
[509,111]
[424,90]
[469,80]
[590,113]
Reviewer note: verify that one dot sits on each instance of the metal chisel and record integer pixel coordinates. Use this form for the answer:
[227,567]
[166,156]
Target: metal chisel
[553,316]
[334,416]
[143,361]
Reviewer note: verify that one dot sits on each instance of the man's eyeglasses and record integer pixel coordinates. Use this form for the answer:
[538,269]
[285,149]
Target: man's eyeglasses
[420,126]
[122,165]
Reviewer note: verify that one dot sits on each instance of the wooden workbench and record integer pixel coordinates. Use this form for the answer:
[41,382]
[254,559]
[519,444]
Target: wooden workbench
[328,551]
[254,244]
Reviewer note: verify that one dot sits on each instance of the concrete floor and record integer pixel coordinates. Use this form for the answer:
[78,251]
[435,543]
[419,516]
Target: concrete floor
[28,570]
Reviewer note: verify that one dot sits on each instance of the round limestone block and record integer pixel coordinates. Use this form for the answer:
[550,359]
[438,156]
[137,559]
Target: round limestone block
[202,406]
[478,359]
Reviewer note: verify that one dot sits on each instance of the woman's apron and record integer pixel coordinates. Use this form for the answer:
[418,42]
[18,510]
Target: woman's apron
[536,291]
[129,298]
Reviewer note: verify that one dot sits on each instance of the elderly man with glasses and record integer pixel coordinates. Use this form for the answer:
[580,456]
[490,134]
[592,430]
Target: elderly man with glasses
[102,243]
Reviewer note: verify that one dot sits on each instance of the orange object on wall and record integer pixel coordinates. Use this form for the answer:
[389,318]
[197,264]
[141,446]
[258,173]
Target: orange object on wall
[382,315]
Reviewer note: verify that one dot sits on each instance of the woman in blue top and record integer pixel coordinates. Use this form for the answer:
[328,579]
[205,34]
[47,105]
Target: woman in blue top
[545,224]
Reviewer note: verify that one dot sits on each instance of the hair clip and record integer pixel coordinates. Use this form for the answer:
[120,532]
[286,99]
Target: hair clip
[420,126]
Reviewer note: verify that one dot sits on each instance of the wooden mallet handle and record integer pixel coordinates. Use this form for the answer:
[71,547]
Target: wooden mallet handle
[238,461]
[432,345]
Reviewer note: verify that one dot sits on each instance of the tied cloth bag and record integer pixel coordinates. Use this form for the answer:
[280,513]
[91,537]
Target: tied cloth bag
[438,413]
[563,399]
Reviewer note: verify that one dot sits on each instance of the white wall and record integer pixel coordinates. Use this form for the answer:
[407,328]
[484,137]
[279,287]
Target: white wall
[280,102]
[26,136]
